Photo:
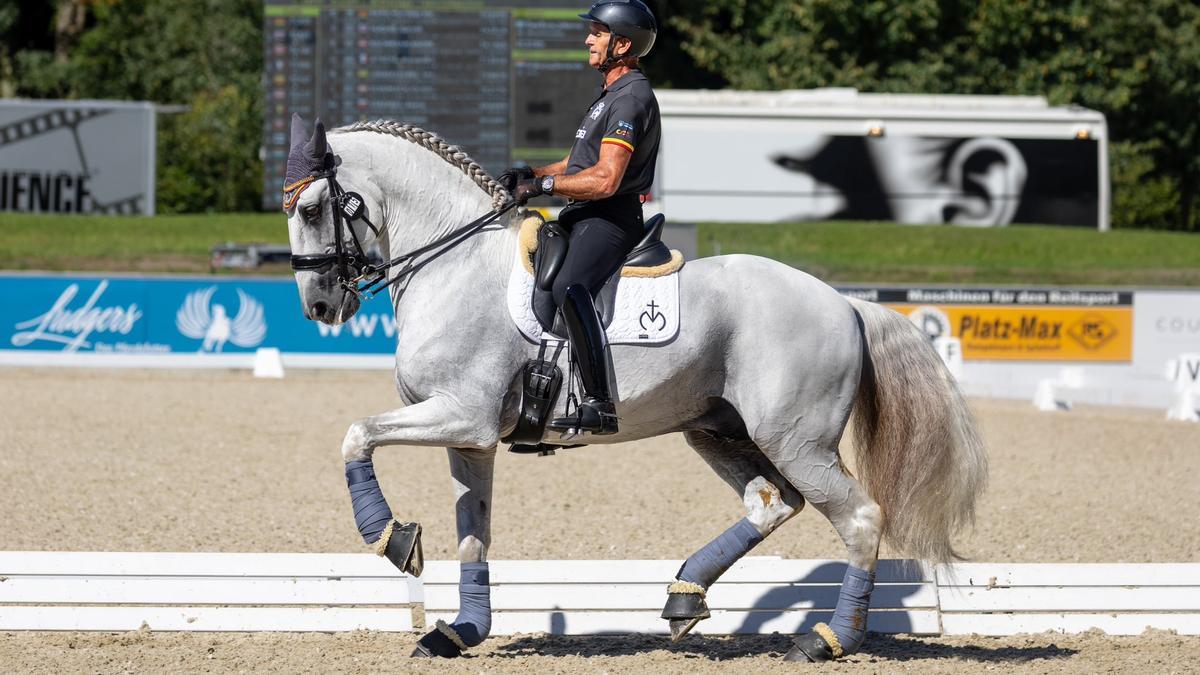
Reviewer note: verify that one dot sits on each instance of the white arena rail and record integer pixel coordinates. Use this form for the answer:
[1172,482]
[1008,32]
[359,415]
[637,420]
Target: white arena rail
[757,595]
[203,592]
[338,592]
[1120,599]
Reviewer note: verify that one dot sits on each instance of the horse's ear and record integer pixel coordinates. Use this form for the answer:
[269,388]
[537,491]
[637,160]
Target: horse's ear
[317,145]
[299,131]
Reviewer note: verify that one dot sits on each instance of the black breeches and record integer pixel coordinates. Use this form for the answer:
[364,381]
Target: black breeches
[598,248]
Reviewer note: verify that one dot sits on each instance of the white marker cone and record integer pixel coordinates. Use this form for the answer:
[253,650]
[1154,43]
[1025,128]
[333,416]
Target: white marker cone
[268,362]
[1187,406]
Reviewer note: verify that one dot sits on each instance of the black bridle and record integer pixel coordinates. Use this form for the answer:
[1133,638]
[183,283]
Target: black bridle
[368,279]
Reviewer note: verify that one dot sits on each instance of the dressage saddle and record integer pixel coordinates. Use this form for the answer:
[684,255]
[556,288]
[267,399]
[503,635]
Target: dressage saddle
[552,245]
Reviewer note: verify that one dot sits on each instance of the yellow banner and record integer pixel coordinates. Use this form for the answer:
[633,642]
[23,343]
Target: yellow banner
[1030,333]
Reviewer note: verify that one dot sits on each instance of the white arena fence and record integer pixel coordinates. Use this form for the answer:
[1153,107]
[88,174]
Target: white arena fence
[342,592]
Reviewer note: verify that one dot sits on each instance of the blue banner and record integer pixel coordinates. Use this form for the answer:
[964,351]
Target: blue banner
[162,315]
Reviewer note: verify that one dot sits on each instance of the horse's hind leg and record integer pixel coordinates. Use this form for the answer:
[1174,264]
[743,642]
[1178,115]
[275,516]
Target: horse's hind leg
[817,472]
[769,501]
[471,471]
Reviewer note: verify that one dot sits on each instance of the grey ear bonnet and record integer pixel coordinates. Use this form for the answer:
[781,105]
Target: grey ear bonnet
[309,156]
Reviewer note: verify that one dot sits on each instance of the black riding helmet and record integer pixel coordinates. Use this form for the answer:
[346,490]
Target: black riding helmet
[630,19]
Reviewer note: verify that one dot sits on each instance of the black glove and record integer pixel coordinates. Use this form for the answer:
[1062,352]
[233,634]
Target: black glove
[527,189]
[510,178]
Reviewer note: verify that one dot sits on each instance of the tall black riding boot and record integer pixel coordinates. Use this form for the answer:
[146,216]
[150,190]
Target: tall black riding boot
[596,414]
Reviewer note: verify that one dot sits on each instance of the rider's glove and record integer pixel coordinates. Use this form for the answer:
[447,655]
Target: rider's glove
[528,189]
[510,178]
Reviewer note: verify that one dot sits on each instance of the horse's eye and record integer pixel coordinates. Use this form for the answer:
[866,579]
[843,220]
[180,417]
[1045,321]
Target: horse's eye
[312,212]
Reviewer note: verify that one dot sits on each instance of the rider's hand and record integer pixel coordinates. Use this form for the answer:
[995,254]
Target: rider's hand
[527,189]
[510,178]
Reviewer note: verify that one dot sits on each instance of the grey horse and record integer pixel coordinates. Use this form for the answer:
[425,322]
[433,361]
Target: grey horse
[768,367]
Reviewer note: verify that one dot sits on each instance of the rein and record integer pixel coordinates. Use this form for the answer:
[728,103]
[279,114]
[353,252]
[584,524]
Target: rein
[369,280]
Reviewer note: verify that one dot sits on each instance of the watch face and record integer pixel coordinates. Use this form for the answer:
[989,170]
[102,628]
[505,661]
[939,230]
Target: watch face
[547,183]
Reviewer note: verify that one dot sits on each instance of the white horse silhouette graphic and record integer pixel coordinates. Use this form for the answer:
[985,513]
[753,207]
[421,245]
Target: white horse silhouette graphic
[195,320]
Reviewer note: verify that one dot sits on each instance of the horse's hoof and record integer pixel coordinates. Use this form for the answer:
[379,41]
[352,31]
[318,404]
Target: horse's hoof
[436,644]
[681,627]
[810,647]
[684,611]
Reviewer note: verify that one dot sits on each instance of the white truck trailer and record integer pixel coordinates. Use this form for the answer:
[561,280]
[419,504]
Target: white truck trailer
[743,156]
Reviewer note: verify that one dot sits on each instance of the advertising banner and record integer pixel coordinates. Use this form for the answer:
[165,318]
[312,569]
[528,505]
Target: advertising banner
[77,157]
[1005,324]
[1168,325]
[142,315]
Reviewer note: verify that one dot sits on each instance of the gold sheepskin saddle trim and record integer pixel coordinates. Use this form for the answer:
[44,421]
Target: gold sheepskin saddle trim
[528,242]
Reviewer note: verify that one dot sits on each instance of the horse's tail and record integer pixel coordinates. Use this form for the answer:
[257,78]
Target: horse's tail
[919,454]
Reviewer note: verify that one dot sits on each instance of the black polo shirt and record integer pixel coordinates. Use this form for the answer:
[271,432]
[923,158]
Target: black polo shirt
[625,115]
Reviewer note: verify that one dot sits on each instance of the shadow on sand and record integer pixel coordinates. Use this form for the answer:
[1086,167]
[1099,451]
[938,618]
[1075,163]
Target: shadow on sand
[877,647]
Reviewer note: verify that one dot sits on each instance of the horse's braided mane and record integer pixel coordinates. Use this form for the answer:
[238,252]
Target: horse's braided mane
[435,144]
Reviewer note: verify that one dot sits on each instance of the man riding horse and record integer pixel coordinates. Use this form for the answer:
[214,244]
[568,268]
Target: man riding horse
[765,369]
[609,169]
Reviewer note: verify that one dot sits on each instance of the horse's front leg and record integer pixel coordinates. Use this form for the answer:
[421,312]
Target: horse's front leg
[471,471]
[438,421]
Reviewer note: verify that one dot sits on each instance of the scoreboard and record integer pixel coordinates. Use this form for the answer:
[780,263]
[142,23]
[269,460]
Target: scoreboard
[505,83]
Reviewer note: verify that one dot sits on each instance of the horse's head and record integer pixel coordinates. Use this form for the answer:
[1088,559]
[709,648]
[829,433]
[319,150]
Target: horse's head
[327,249]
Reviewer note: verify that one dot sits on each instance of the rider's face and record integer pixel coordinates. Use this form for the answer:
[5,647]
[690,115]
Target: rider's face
[597,44]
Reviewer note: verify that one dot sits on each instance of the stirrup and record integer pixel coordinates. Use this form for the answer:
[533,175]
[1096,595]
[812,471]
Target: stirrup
[593,416]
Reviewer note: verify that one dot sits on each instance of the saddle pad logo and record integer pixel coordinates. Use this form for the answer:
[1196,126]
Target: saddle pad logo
[200,319]
[652,319]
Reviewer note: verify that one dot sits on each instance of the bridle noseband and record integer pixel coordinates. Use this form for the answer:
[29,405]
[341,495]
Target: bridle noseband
[369,279]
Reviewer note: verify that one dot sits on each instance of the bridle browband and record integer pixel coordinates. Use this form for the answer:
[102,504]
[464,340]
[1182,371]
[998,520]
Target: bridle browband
[369,280]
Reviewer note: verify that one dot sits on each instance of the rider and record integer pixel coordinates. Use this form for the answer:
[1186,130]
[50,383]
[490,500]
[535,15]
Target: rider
[609,169]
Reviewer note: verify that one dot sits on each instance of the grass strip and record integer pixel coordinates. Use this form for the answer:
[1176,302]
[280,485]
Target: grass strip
[1028,255]
[838,252]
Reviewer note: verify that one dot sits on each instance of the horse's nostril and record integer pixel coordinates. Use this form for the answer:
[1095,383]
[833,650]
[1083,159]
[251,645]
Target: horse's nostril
[318,309]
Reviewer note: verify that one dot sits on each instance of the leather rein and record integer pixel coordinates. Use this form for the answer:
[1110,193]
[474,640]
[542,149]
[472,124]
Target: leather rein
[369,280]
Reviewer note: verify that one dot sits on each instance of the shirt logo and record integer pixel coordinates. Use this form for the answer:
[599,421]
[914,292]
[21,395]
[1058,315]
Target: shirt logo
[622,132]
[597,110]
[625,125]
[581,132]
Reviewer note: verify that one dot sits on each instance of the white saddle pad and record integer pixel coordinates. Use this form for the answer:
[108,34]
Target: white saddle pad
[646,312]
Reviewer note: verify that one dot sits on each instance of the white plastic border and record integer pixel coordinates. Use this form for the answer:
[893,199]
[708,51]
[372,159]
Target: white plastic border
[338,592]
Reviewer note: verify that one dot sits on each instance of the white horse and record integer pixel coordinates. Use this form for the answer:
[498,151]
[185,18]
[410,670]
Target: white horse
[768,366]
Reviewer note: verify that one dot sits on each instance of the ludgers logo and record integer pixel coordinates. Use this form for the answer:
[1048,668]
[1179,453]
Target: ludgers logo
[72,327]
[200,319]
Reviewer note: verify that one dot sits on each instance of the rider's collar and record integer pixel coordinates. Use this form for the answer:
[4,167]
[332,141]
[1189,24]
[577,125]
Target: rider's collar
[624,81]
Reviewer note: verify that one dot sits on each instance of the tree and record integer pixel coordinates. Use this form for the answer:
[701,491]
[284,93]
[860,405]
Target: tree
[205,54]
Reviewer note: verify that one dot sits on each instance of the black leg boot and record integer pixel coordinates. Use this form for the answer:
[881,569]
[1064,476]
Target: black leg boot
[596,413]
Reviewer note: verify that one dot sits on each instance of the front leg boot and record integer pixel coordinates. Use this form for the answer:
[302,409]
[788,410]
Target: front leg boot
[436,643]
[401,544]
[685,608]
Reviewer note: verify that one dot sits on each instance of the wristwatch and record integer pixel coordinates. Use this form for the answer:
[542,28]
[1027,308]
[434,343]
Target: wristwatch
[547,185]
